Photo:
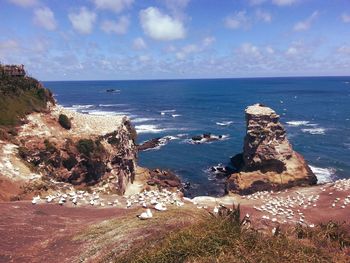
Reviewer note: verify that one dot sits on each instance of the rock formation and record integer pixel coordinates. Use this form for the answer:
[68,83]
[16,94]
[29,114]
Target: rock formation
[268,161]
[97,150]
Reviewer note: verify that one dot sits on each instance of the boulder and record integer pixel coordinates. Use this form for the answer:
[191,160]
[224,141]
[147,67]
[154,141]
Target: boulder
[268,161]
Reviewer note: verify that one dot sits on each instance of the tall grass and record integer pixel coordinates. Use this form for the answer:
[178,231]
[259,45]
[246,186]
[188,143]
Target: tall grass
[227,238]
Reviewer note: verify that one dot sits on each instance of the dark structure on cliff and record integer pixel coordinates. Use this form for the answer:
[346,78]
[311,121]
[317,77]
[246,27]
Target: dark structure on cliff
[13,70]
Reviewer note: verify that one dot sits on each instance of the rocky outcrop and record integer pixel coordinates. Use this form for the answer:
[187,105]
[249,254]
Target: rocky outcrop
[268,161]
[164,179]
[96,151]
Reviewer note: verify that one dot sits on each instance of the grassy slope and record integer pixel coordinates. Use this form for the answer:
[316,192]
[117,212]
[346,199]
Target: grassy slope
[20,96]
[223,239]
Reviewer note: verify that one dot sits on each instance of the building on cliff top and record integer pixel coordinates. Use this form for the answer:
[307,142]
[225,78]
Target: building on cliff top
[14,70]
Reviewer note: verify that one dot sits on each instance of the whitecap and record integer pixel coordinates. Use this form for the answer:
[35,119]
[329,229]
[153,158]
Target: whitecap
[175,115]
[297,123]
[149,128]
[77,107]
[224,123]
[141,120]
[101,113]
[112,105]
[314,131]
[163,112]
[324,175]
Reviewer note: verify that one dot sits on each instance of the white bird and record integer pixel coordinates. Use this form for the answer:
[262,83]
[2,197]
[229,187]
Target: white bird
[160,207]
[35,200]
[146,215]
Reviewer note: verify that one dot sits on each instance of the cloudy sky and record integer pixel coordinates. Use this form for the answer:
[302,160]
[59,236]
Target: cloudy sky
[158,39]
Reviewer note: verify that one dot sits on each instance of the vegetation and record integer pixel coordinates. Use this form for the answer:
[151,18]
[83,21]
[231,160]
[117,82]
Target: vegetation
[20,96]
[89,147]
[64,121]
[226,238]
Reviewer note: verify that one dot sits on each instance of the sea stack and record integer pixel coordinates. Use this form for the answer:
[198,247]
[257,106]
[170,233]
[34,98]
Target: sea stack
[268,161]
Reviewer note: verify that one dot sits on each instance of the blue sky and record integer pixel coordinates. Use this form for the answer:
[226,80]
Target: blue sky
[160,39]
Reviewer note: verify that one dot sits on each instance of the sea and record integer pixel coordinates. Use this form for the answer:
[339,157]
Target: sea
[314,110]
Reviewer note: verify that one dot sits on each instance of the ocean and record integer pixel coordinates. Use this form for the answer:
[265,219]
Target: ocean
[314,110]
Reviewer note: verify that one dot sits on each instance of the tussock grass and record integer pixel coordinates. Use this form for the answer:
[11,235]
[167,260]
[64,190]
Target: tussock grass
[20,96]
[228,239]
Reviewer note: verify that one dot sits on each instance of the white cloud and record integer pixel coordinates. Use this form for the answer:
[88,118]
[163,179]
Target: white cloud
[292,51]
[263,16]
[176,7]
[306,24]
[83,21]
[116,6]
[144,58]
[208,41]
[270,50]
[237,20]
[345,49]
[161,26]
[45,18]
[249,50]
[256,2]
[345,18]
[284,2]
[139,43]
[193,48]
[118,27]
[9,44]
[24,3]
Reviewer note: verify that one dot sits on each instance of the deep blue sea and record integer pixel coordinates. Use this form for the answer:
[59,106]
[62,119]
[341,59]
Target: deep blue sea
[315,112]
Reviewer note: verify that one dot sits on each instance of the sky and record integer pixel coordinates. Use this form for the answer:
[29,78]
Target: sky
[175,39]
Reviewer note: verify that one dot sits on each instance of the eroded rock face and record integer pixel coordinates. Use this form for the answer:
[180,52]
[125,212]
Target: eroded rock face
[268,160]
[78,156]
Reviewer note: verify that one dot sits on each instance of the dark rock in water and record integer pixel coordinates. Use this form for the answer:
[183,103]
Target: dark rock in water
[237,161]
[268,161]
[153,143]
[197,138]
[221,170]
[164,179]
[206,137]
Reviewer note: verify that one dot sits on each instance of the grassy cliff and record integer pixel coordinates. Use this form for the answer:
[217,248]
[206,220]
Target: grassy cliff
[20,96]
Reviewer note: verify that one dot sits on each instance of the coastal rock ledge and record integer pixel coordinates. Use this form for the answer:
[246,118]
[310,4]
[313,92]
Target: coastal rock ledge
[268,161]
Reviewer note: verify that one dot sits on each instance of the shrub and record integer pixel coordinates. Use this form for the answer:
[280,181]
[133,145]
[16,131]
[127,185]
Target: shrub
[70,162]
[86,146]
[64,121]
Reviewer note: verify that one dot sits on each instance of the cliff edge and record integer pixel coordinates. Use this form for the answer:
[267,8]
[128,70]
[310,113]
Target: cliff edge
[268,161]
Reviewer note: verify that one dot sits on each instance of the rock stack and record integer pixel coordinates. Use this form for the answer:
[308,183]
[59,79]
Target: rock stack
[268,161]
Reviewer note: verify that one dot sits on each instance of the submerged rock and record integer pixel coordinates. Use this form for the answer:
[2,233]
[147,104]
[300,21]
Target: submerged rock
[268,161]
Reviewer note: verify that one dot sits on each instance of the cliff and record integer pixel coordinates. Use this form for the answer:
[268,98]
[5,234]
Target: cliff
[268,161]
[41,143]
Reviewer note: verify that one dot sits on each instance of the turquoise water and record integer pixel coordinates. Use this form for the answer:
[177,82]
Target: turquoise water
[315,112]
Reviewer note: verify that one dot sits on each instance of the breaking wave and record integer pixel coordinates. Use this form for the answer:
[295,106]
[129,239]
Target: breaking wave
[324,175]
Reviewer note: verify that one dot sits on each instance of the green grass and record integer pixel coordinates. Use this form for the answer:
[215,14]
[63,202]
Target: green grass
[20,96]
[226,239]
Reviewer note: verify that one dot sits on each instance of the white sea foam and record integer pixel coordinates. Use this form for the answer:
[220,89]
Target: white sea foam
[77,107]
[224,123]
[149,128]
[163,112]
[314,131]
[175,115]
[300,123]
[324,175]
[112,105]
[102,113]
[141,120]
